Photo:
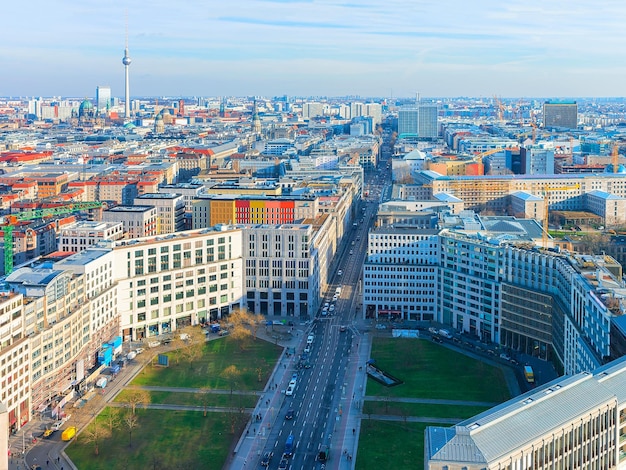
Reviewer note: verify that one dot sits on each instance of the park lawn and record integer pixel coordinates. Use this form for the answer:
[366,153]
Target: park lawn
[254,362]
[425,410]
[163,439]
[430,370]
[390,444]
[194,399]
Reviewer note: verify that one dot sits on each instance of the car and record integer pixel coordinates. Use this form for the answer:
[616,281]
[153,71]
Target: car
[294,376]
[139,350]
[307,350]
[342,328]
[340,273]
[289,391]
[332,308]
[47,433]
[167,341]
[335,297]
[284,463]
[154,344]
[326,304]
[267,457]
[351,252]
[223,332]
[381,327]
[506,357]
[289,414]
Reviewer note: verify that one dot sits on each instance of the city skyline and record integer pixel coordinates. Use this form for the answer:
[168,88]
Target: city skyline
[311,47]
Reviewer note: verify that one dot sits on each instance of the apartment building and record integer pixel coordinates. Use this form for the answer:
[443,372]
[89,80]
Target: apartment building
[572,422]
[211,210]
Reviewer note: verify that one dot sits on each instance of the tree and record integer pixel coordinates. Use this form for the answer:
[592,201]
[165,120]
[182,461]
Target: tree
[190,343]
[95,433]
[204,394]
[112,418]
[245,325]
[131,421]
[232,375]
[135,398]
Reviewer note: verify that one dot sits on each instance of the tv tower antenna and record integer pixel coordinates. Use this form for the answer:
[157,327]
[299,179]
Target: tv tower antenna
[126,61]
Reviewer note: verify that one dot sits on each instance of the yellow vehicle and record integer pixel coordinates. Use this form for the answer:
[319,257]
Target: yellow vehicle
[69,433]
[47,433]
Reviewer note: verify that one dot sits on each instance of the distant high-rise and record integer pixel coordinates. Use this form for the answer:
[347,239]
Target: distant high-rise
[103,98]
[563,114]
[418,121]
[126,62]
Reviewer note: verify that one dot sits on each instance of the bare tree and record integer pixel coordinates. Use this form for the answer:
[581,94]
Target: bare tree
[131,421]
[135,398]
[205,394]
[95,433]
[190,343]
[232,375]
[112,418]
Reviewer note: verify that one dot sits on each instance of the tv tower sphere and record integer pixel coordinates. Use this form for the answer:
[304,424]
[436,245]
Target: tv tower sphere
[126,59]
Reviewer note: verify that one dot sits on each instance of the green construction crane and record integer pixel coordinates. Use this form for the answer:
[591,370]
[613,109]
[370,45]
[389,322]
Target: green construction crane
[11,220]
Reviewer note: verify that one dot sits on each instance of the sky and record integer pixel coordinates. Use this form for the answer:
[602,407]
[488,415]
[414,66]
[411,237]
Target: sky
[384,48]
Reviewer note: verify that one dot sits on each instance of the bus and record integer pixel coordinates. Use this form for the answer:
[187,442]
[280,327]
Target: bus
[289,446]
[529,374]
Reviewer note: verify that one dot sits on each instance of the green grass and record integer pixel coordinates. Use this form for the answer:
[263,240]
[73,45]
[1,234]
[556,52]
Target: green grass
[421,410]
[194,399]
[205,372]
[387,445]
[163,439]
[433,371]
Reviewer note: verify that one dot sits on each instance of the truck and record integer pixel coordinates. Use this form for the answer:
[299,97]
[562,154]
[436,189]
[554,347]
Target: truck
[289,445]
[69,433]
[529,374]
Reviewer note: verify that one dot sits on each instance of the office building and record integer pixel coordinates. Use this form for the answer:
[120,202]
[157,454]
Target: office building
[138,221]
[538,303]
[103,99]
[170,209]
[560,115]
[81,235]
[282,274]
[572,422]
[418,122]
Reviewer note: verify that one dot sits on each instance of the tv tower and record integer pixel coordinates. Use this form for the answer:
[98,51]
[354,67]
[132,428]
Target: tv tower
[126,62]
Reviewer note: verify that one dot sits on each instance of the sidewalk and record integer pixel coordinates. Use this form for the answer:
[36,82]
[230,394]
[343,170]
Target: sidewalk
[344,454]
[248,448]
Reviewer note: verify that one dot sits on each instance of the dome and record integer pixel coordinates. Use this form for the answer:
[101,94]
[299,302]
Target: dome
[620,169]
[85,108]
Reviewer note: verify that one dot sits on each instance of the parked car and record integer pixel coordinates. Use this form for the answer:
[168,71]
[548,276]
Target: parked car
[139,350]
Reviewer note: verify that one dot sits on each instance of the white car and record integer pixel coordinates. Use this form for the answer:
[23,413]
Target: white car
[332,308]
[340,272]
[289,391]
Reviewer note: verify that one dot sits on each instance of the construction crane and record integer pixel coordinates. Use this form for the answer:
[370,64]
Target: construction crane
[546,207]
[615,158]
[11,220]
